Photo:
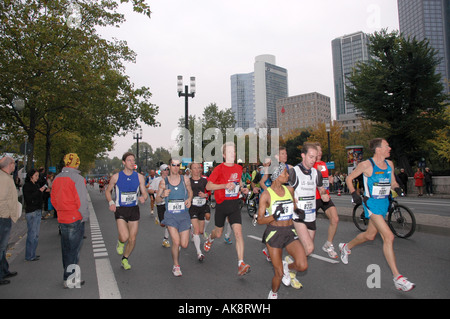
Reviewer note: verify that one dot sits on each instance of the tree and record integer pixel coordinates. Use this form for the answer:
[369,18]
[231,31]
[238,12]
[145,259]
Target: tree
[70,78]
[398,88]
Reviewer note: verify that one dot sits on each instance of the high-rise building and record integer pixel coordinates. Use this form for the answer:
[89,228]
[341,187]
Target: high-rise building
[429,19]
[302,112]
[347,51]
[254,95]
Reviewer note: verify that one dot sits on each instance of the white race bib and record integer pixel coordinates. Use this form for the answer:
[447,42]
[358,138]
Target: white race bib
[198,201]
[176,206]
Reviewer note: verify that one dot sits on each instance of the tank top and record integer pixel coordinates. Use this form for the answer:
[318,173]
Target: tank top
[178,195]
[198,186]
[283,203]
[127,189]
[305,192]
[378,185]
[377,189]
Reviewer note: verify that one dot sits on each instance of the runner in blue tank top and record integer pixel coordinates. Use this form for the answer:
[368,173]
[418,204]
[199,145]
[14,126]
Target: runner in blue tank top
[379,179]
[176,191]
[130,191]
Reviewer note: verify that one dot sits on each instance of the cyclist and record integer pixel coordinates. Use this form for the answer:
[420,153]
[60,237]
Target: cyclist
[378,180]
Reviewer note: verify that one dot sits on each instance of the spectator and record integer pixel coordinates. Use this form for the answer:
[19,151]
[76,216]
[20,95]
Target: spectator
[10,210]
[428,181]
[32,193]
[69,198]
[418,177]
[404,180]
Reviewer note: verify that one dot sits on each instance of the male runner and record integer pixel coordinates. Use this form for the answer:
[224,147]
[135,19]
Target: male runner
[226,183]
[327,206]
[127,184]
[177,193]
[379,179]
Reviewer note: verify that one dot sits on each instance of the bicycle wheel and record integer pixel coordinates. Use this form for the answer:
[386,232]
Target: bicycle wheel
[402,221]
[359,218]
[251,207]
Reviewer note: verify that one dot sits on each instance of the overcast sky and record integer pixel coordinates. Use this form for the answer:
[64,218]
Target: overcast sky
[212,40]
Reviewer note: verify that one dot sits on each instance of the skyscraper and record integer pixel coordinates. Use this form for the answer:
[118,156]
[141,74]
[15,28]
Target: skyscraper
[429,19]
[254,95]
[347,51]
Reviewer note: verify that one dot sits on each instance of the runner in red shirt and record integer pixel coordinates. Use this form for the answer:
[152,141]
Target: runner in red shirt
[326,204]
[226,183]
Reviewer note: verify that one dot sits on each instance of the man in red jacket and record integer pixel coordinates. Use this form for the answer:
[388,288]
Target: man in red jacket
[69,197]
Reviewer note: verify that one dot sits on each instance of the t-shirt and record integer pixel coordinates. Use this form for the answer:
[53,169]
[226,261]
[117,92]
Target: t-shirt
[325,180]
[224,174]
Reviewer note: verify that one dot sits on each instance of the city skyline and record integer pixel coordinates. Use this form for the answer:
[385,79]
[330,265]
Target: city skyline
[213,40]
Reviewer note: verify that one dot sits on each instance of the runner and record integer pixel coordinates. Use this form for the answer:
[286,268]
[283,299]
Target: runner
[199,205]
[177,193]
[304,178]
[127,184]
[226,183]
[151,192]
[161,205]
[327,206]
[379,179]
[276,208]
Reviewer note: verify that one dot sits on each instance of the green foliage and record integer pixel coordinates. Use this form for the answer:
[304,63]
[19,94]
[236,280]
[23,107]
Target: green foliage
[399,89]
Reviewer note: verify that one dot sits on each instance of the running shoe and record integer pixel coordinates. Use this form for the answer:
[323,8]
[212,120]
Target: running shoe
[344,252]
[227,240]
[272,295]
[286,276]
[119,247]
[200,257]
[266,253]
[166,243]
[329,249]
[403,284]
[176,271]
[294,281]
[207,245]
[125,264]
[243,269]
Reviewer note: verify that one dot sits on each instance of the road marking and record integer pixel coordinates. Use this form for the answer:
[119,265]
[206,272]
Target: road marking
[107,284]
[328,260]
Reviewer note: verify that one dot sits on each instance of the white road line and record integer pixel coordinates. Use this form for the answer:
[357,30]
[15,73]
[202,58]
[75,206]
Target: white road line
[107,284]
[328,260]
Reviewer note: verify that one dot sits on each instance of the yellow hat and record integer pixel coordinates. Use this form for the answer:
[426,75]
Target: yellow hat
[72,160]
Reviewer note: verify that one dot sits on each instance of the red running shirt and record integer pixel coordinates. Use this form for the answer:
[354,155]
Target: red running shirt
[224,174]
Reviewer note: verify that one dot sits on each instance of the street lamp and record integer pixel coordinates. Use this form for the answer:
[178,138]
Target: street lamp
[137,137]
[327,128]
[186,95]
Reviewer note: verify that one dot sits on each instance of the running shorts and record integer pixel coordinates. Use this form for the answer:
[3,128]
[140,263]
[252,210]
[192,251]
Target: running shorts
[128,214]
[230,209]
[279,236]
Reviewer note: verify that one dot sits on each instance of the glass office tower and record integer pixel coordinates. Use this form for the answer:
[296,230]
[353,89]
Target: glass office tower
[347,51]
[429,19]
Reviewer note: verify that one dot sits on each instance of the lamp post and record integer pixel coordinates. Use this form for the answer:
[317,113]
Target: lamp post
[186,95]
[137,137]
[327,128]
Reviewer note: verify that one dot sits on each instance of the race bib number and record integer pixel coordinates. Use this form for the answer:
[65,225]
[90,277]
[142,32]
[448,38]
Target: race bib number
[381,190]
[232,193]
[308,205]
[198,201]
[286,208]
[127,199]
[176,206]
[326,183]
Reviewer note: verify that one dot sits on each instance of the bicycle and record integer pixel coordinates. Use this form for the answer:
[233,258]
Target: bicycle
[400,219]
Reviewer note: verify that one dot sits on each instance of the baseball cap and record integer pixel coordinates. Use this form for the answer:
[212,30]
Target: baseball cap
[163,167]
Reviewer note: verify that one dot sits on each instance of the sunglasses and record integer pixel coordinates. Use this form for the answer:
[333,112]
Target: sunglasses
[175,165]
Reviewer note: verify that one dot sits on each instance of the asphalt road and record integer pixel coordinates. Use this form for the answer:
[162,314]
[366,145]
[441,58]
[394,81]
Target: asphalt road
[423,258]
